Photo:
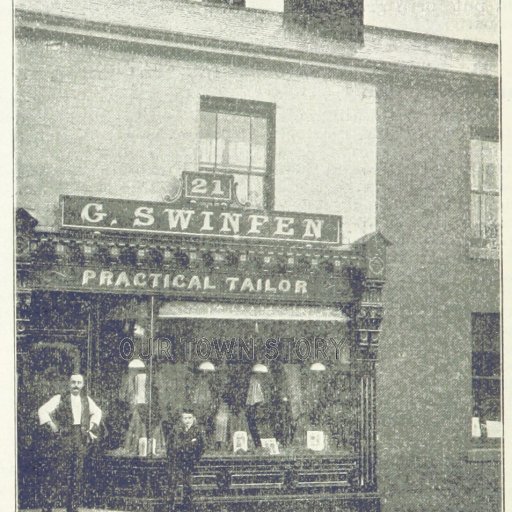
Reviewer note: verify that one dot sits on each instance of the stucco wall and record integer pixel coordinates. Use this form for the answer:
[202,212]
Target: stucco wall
[93,121]
[424,373]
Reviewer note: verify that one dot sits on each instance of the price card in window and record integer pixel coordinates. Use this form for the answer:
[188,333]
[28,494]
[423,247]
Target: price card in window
[270,444]
[315,440]
[143,446]
[240,441]
[476,431]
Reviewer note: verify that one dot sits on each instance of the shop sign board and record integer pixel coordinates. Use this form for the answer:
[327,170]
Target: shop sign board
[119,215]
[193,284]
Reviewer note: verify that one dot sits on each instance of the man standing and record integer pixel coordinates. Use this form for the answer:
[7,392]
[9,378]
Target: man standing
[185,451]
[70,422]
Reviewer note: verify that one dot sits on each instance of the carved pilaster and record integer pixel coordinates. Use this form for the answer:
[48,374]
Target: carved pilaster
[367,428]
[23,312]
[368,318]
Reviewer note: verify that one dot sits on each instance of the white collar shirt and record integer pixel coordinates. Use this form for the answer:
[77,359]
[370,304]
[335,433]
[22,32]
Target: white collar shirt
[76,407]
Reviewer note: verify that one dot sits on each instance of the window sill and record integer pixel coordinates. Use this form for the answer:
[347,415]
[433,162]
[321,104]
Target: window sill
[490,454]
[484,253]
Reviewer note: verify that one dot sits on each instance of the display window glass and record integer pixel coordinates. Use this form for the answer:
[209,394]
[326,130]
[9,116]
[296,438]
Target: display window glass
[256,386]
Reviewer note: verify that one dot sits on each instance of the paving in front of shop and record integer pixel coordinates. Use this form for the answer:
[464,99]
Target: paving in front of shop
[64,510]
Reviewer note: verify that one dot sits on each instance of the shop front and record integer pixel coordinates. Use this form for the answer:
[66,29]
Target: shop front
[265,325]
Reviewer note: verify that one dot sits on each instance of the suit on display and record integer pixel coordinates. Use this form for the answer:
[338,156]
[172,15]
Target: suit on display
[258,406]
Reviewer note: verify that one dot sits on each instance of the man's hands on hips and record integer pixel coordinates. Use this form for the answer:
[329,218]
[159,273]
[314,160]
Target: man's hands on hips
[93,432]
[52,426]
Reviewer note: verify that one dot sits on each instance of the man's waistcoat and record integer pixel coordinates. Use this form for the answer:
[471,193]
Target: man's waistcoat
[63,415]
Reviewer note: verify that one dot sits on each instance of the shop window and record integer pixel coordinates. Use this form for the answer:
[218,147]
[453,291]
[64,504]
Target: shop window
[237,137]
[486,376]
[255,387]
[485,196]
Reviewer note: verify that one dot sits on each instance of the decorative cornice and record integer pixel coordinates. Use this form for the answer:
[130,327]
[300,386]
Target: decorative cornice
[174,253]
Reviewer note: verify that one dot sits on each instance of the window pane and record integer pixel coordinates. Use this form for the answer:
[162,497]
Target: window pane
[487,394]
[259,143]
[490,165]
[250,189]
[493,364]
[233,139]
[256,191]
[478,363]
[207,138]
[490,399]
[486,364]
[475,216]
[491,216]
[476,164]
[232,398]
[490,176]
[485,332]
[241,187]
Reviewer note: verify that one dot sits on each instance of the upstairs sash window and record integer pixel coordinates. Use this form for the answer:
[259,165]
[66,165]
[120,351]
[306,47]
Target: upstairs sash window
[236,137]
[485,198]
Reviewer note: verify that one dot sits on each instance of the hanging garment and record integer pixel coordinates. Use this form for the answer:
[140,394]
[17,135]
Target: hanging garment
[136,430]
[315,399]
[295,430]
[221,423]
[293,389]
[259,412]
[201,394]
[133,387]
[255,391]
[170,379]
[203,402]
[284,424]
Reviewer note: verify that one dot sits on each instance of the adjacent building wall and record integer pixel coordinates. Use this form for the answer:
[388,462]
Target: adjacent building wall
[424,375]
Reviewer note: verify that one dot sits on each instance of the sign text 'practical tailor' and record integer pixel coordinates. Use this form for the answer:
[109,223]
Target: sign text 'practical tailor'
[192,283]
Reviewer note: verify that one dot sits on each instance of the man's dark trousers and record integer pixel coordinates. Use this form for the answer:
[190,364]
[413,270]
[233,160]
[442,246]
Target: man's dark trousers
[64,464]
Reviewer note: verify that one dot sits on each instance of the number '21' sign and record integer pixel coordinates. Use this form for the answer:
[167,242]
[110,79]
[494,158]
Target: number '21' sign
[208,186]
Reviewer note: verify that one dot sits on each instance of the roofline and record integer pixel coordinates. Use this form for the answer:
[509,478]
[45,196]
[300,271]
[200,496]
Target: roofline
[429,37]
[43,23]
[374,28]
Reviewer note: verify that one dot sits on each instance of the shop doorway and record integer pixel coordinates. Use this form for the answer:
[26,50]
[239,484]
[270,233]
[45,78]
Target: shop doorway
[55,343]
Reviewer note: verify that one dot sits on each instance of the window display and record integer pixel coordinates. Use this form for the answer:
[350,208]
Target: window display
[252,390]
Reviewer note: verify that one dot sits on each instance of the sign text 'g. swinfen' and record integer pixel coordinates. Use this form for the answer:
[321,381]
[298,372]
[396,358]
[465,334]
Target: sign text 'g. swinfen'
[197,220]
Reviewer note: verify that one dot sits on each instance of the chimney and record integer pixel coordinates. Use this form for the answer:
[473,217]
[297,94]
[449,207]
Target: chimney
[337,19]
